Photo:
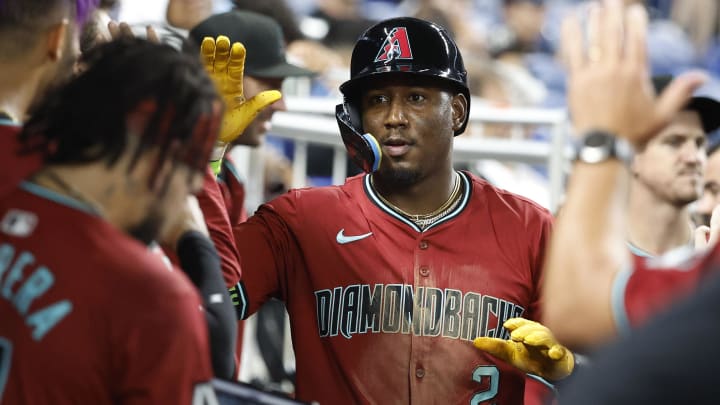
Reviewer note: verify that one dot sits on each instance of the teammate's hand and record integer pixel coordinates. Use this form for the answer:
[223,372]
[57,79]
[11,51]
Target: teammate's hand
[123,30]
[532,348]
[226,64]
[189,217]
[707,236]
[609,84]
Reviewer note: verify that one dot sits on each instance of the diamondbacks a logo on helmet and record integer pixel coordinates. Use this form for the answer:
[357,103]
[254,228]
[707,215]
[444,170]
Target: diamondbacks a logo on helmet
[396,46]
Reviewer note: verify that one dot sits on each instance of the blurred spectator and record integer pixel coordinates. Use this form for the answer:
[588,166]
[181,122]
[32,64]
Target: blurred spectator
[308,52]
[666,174]
[710,197]
[460,21]
[188,13]
[699,19]
[509,46]
[337,22]
[277,10]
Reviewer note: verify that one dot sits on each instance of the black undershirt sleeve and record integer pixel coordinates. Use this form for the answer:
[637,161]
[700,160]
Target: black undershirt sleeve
[201,262]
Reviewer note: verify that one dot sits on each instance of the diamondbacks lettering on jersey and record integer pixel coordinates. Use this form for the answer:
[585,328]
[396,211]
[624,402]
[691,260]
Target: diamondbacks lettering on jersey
[20,291]
[403,308]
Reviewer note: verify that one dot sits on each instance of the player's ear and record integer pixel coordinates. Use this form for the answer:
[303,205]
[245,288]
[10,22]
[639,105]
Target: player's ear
[55,40]
[459,110]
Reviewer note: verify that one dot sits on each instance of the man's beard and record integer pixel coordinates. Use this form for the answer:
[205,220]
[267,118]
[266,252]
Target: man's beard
[397,179]
[148,229]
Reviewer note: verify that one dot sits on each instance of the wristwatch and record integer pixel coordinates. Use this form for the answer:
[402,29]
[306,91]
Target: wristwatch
[599,146]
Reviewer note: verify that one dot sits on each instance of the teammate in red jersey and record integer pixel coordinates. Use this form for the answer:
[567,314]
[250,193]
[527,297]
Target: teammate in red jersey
[590,269]
[38,47]
[89,314]
[225,63]
[266,69]
[389,278]
[264,72]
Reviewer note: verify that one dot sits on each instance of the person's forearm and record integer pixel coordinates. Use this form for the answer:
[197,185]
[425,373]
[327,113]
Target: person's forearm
[200,261]
[587,250]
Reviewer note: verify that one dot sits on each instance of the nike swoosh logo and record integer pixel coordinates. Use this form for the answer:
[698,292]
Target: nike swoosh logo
[342,239]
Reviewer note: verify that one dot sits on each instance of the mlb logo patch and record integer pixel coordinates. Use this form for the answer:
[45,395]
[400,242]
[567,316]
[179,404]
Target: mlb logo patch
[18,223]
[396,46]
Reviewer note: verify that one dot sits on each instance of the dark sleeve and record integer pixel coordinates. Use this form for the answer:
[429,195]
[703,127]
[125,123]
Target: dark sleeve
[671,360]
[200,261]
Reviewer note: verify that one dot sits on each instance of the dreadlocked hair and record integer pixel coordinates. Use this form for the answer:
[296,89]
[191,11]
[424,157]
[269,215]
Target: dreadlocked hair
[87,119]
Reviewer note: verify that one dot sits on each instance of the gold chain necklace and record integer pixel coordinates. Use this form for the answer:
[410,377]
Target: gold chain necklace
[425,219]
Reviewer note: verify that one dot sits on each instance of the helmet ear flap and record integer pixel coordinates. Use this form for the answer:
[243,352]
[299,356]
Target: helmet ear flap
[363,149]
[352,107]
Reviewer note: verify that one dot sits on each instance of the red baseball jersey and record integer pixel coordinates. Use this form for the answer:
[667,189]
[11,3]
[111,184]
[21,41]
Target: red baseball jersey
[382,312]
[213,208]
[14,166]
[89,315]
[233,191]
[652,283]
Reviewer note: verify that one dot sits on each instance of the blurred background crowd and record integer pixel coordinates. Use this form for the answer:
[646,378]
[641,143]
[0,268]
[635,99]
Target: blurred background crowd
[510,49]
[510,46]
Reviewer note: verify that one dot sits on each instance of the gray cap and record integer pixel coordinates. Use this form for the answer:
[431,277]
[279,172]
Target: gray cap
[262,38]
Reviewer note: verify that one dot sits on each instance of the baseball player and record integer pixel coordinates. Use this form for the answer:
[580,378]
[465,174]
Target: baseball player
[265,70]
[390,277]
[225,63]
[89,314]
[37,42]
[598,277]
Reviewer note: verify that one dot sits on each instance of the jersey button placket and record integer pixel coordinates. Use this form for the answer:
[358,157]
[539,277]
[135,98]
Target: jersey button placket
[422,246]
[419,372]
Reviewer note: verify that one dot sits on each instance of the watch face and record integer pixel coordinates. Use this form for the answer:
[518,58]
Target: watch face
[597,139]
[595,148]
[599,146]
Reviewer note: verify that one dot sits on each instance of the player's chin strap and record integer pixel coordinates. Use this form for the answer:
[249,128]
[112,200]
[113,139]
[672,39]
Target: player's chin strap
[363,149]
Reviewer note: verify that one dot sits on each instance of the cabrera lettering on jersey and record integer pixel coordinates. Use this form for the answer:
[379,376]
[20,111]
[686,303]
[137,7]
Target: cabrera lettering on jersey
[21,290]
[402,308]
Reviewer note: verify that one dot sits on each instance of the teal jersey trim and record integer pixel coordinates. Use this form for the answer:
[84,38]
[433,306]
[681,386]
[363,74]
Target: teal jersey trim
[61,199]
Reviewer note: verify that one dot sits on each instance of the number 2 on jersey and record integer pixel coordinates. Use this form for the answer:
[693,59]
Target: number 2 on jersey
[5,357]
[493,374]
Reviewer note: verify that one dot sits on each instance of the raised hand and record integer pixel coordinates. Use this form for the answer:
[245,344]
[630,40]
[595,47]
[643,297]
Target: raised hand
[609,84]
[226,64]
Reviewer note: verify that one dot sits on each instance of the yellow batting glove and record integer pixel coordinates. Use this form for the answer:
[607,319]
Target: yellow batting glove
[226,66]
[532,348]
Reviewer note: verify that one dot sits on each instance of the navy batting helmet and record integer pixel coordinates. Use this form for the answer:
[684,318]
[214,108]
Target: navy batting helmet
[404,46]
